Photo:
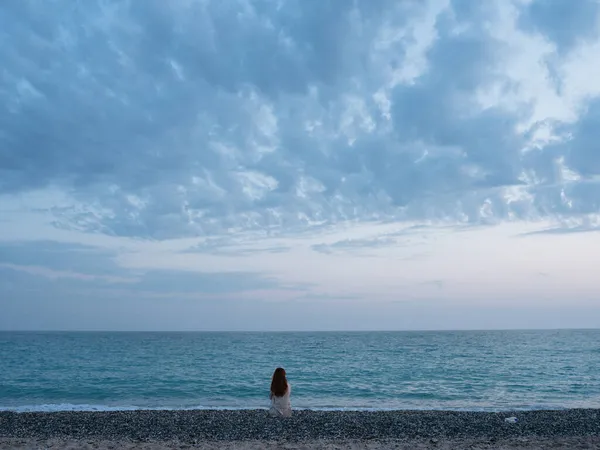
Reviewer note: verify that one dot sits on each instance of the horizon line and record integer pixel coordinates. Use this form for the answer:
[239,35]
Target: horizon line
[447,330]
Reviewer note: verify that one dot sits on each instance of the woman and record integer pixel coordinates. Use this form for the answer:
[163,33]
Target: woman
[280,395]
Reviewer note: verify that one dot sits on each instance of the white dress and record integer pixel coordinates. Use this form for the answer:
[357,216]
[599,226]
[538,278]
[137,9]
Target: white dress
[281,406]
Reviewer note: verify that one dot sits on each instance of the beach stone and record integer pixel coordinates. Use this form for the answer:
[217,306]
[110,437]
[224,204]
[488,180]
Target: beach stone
[192,427]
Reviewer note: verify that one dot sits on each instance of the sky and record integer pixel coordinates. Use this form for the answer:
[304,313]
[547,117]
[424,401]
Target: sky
[299,164]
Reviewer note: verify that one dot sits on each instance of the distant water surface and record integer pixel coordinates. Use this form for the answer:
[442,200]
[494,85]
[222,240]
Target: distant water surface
[471,370]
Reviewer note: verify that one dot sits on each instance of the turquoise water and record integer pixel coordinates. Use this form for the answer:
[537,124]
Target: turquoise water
[473,370]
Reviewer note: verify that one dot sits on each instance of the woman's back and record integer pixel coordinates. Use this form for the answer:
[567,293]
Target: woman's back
[281,390]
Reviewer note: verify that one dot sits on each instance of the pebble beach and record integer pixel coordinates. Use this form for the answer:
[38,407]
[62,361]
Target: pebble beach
[253,429]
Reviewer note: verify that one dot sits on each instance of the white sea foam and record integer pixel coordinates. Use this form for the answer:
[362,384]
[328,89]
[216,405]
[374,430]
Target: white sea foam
[57,407]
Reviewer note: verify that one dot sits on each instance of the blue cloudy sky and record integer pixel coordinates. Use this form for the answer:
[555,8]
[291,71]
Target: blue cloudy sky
[299,164]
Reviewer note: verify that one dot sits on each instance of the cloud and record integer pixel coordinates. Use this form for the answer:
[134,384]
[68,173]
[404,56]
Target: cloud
[560,22]
[50,274]
[193,118]
[44,265]
[350,245]
[564,230]
[205,283]
[165,287]
[229,246]
[439,284]
[303,150]
[66,257]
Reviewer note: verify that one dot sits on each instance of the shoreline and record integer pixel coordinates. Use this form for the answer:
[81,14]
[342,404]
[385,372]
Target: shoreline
[51,408]
[249,429]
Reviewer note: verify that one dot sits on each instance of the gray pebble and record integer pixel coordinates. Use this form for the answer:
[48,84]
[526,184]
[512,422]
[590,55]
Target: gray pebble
[194,426]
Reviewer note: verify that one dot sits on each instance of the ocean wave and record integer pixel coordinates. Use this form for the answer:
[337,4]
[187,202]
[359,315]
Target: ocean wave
[57,407]
[70,407]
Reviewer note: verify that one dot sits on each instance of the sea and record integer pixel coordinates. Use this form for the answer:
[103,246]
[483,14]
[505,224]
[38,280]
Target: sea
[449,370]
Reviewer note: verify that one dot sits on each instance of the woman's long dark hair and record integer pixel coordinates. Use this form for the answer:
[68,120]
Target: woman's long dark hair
[279,385]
